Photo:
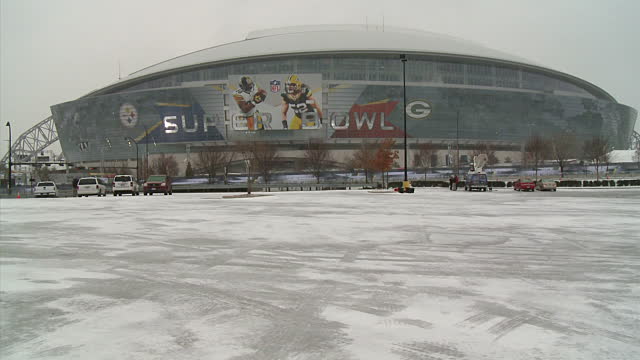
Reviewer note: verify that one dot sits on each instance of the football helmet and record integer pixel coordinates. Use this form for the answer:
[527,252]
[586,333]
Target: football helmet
[246,84]
[293,84]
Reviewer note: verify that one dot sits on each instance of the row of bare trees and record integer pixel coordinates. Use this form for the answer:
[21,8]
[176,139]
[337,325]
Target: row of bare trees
[162,164]
[261,158]
[564,147]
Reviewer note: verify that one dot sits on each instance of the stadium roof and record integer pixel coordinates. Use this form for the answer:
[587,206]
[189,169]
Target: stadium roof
[299,40]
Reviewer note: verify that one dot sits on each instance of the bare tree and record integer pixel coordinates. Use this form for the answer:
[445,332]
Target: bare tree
[262,157]
[363,158]
[118,168]
[384,157]
[43,173]
[266,158]
[597,151]
[165,165]
[247,153]
[210,159]
[317,158]
[188,172]
[536,149]
[422,158]
[484,148]
[144,170]
[231,157]
[564,147]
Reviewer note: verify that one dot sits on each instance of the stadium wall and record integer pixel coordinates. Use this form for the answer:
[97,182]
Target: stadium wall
[349,99]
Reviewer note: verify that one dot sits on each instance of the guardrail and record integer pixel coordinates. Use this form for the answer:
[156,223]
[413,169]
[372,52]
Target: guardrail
[177,188]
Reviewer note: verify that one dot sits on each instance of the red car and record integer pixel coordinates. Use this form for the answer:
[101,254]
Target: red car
[157,184]
[524,185]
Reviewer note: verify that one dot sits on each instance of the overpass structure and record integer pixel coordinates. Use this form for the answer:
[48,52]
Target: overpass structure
[37,138]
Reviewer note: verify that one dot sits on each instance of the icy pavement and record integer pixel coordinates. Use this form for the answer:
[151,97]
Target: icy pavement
[323,275]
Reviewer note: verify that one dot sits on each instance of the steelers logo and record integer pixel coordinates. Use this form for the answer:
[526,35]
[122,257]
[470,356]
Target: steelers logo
[128,115]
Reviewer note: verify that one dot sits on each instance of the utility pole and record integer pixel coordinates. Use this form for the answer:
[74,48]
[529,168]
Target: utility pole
[146,150]
[9,179]
[403,58]
[457,143]
[130,140]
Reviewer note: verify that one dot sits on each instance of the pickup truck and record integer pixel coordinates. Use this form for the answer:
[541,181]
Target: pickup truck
[45,188]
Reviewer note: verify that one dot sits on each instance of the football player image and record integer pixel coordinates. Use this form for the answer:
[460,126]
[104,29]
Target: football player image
[299,98]
[248,96]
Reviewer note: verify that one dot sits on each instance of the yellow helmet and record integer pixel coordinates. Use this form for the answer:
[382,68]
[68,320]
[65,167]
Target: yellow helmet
[293,84]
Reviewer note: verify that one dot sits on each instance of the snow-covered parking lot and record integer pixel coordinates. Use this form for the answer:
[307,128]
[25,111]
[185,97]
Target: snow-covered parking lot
[323,275]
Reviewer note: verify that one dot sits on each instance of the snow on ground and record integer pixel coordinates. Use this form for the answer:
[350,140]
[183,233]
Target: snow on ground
[323,275]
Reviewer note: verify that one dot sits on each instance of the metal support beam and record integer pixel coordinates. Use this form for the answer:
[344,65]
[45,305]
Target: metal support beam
[635,140]
[33,141]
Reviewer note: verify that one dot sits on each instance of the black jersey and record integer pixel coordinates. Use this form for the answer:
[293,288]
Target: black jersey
[299,105]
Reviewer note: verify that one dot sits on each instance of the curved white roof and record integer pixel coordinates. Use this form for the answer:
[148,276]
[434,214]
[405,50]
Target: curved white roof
[333,38]
[336,39]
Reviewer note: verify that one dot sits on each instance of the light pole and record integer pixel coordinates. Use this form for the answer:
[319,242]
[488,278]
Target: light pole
[9,179]
[457,144]
[146,150]
[130,139]
[403,58]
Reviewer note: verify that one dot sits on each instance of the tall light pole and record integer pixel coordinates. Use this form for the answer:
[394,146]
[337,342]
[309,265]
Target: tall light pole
[146,150]
[457,144]
[403,58]
[9,179]
[130,140]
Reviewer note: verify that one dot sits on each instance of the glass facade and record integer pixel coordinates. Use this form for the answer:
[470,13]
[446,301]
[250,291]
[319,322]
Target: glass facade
[377,68]
[360,97]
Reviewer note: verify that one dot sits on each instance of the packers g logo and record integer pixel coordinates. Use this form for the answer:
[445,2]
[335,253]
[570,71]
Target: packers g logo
[418,109]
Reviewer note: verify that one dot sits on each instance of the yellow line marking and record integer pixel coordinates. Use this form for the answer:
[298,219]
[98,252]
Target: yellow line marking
[377,102]
[314,90]
[173,104]
[149,130]
[341,86]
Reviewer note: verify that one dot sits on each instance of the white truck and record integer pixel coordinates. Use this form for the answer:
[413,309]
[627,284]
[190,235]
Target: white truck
[125,184]
[45,188]
[476,178]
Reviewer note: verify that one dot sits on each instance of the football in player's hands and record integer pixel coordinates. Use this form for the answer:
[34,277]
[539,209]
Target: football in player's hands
[259,96]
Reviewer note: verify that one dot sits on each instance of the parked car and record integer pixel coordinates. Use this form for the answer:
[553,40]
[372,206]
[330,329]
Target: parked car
[157,184]
[546,185]
[524,185]
[45,188]
[125,184]
[91,186]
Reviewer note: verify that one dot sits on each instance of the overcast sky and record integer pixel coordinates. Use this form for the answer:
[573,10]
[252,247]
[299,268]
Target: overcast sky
[57,51]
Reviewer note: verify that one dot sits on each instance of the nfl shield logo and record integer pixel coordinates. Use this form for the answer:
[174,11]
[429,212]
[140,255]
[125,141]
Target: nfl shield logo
[275,86]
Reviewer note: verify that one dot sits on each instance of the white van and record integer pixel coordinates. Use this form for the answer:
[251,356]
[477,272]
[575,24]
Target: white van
[91,186]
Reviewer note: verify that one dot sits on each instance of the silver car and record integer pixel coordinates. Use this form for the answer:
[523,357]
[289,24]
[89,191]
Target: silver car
[546,185]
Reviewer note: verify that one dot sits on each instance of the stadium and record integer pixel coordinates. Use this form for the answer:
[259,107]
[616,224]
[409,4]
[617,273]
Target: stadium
[340,85]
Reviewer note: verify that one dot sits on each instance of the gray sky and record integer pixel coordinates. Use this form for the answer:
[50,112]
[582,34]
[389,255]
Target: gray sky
[56,51]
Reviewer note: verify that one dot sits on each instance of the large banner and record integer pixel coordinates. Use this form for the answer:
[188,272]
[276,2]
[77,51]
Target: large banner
[276,101]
